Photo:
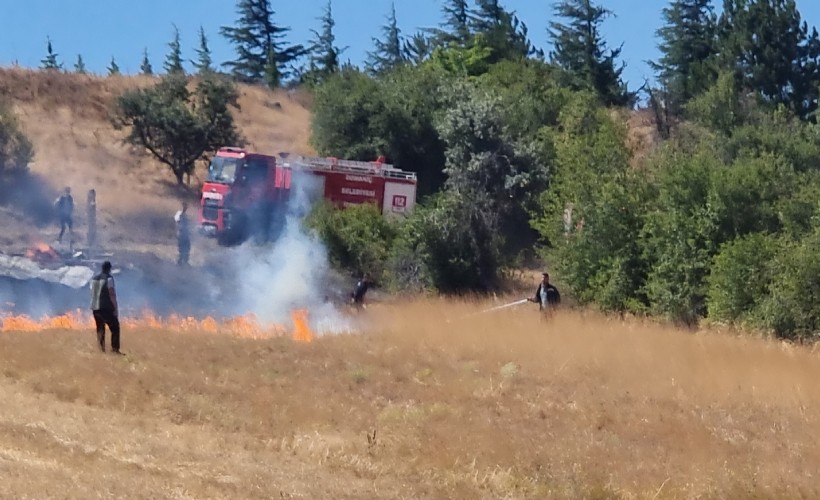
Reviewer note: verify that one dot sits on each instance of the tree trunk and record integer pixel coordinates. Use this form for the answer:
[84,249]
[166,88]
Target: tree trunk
[179,174]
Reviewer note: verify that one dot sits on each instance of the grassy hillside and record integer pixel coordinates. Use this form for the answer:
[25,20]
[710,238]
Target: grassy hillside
[66,117]
[425,403]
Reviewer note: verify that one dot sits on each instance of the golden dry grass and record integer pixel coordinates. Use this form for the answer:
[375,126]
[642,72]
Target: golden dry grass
[67,118]
[427,402]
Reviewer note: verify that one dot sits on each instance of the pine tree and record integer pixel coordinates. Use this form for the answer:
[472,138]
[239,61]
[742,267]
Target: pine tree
[418,48]
[388,53]
[688,46]
[261,53]
[204,62]
[79,66]
[580,49]
[455,29]
[50,61]
[501,30]
[113,68]
[772,52]
[173,61]
[146,67]
[324,53]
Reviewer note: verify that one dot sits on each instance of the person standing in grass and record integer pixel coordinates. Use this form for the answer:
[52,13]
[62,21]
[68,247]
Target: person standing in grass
[547,295]
[105,308]
[65,212]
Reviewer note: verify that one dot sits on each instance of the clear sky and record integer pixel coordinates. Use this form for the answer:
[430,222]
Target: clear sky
[100,29]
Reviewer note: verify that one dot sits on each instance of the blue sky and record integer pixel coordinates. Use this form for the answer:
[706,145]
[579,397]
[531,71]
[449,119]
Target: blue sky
[100,29]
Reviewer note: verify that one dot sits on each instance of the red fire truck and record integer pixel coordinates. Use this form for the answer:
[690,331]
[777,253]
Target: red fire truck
[246,193]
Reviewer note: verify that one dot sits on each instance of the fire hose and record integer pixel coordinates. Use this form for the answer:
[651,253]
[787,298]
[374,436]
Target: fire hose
[493,309]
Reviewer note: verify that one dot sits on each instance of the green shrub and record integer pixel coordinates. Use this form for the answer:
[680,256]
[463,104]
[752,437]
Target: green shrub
[16,151]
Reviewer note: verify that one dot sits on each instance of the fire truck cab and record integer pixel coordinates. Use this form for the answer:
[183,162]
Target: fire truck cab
[247,193]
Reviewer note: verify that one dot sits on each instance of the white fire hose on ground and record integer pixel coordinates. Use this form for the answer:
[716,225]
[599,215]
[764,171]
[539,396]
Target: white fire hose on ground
[493,309]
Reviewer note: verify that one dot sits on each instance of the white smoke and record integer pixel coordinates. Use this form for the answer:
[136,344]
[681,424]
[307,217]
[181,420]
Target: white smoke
[292,273]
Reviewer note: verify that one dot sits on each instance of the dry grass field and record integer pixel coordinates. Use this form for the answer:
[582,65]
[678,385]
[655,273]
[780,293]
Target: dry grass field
[427,401]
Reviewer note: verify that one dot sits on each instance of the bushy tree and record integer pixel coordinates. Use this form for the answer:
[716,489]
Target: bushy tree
[16,150]
[358,238]
[688,46]
[741,278]
[503,32]
[178,127]
[772,51]
[262,55]
[592,216]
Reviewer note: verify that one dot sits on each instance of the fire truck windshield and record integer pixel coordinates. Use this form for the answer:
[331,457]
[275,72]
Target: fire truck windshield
[223,169]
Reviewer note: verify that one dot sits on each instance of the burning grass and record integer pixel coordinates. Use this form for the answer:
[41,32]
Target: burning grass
[427,402]
[238,326]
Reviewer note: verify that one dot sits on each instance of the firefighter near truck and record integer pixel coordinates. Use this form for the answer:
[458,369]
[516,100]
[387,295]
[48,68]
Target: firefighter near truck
[246,193]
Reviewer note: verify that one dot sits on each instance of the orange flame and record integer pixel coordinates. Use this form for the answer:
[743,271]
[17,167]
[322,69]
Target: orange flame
[239,326]
[42,253]
[301,329]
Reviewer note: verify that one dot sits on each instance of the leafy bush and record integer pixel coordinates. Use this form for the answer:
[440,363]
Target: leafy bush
[16,150]
[358,238]
[741,277]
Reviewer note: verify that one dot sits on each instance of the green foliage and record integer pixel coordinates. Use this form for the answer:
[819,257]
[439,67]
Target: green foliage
[358,238]
[50,61]
[324,54]
[360,117]
[387,53]
[741,277]
[792,310]
[505,34]
[581,50]
[173,61]
[113,67]
[262,56]
[16,150]
[592,215]
[772,51]
[204,61]
[688,44]
[720,107]
[178,127]
[79,66]
[146,67]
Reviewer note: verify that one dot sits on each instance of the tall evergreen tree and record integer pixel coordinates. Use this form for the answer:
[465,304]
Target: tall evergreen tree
[113,67]
[173,61]
[324,54]
[418,48]
[772,51]
[579,48]
[50,61]
[455,28]
[146,67]
[388,52]
[502,30]
[688,47]
[79,66]
[204,61]
[261,53]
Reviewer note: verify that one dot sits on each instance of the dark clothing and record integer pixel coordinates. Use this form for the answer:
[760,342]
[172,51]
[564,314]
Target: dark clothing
[104,309]
[183,237]
[92,224]
[553,296]
[103,318]
[359,292]
[65,211]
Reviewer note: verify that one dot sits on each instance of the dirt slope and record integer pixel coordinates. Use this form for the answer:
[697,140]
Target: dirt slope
[66,117]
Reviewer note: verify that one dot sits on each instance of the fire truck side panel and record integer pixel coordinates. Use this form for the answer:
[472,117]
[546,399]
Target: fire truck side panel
[399,197]
[344,190]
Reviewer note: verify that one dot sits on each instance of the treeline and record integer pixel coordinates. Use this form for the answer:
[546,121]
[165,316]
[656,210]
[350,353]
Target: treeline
[519,150]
